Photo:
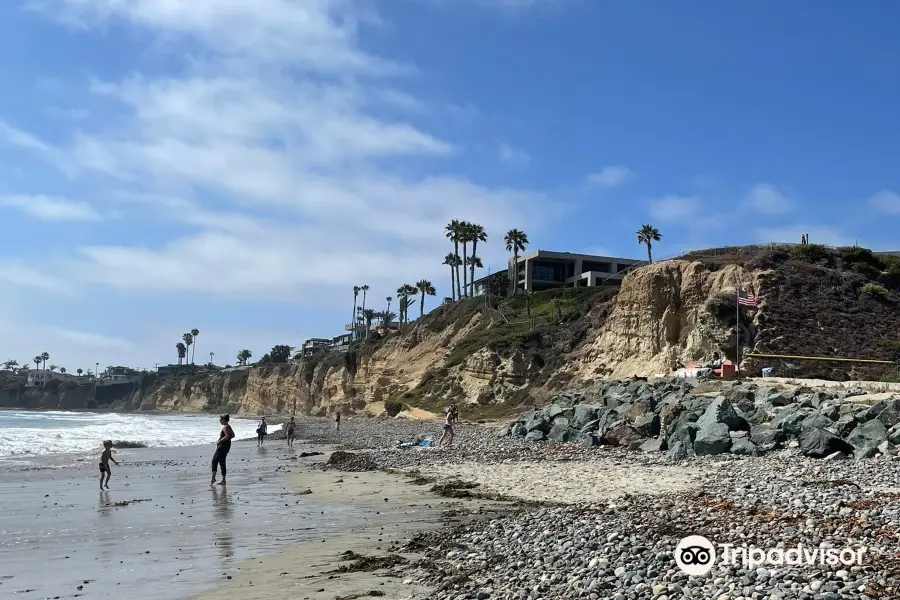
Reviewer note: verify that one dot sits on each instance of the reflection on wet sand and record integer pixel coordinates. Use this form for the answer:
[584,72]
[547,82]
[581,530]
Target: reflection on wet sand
[222,513]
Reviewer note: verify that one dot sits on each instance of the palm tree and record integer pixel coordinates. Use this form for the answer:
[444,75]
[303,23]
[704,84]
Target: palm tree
[10,365]
[243,356]
[387,317]
[648,234]
[474,262]
[368,316]
[465,236]
[516,241]
[476,234]
[53,368]
[424,286]
[79,371]
[452,261]
[45,357]
[388,309]
[453,231]
[194,333]
[364,288]
[188,340]
[37,362]
[356,289]
[182,351]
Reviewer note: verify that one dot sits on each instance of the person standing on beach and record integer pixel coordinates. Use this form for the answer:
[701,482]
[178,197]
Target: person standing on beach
[105,457]
[448,431]
[261,432]
[337,420]
[289,428]
[223,446]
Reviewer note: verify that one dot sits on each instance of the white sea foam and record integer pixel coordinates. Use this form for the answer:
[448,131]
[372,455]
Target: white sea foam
[28,433]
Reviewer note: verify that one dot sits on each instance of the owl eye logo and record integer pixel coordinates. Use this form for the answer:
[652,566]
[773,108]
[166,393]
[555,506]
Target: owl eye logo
[695,555]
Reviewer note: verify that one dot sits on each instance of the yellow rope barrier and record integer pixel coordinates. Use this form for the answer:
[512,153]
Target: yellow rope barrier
[784,356]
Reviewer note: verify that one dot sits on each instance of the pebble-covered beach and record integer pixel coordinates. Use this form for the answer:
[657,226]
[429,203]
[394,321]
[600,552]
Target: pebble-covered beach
[604,522]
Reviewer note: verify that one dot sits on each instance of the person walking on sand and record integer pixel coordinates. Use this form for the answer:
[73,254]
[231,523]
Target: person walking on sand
[105,457]
[261,432]
[337,420]
[223,446]
[448,431]
[289,428]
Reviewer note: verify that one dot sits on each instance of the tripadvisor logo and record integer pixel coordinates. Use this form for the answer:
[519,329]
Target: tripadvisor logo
[696,555]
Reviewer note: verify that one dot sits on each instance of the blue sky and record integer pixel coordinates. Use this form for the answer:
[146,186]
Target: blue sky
[238,167]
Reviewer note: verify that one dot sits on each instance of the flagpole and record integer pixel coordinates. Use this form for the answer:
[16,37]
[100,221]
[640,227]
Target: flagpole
[737,331]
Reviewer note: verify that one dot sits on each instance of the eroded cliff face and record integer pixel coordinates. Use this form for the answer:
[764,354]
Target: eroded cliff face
[666,313]
[663,313]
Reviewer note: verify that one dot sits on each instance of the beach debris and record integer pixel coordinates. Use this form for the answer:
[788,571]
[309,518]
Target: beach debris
[350,462]
[368,563]
[305,492]
[128,502]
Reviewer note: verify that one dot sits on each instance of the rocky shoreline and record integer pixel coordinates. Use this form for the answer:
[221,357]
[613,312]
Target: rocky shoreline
[692,418]
[600,521]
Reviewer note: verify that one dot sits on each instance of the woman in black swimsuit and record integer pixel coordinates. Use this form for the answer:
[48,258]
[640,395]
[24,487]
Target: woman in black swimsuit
[222,448]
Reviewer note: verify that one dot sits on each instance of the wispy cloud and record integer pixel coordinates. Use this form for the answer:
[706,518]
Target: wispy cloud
[886,202]
[610,176]
[513,156]
[50,208]
[675,208]
[768,199]
[16,273]
[88,340]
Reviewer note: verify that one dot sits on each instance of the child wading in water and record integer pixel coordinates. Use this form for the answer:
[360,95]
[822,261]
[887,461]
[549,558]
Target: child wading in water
[105,457]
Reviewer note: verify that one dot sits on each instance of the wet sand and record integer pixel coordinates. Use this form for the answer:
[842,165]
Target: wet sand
[162,533]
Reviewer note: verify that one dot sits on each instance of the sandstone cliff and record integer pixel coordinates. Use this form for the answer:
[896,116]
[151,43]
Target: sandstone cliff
[499,354]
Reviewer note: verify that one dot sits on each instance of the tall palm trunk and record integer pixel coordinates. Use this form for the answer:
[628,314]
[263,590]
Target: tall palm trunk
[353,319]
[649,253]
[422,306]
[515,271]
[453,280]
[472,267]
[464,283]
[456,268]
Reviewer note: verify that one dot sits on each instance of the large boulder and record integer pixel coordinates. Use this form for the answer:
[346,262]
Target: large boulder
[560,430]
[712,438]
[721,411]
[817,419]
[623,435]
[890,415]
[767,438]
[535,436]
[819,443]
[743,447]
[867,437]
[585,413]
[654,445]
[554,410]
[538,422]
[893,435]
[789,419]
[685,433]
[678,451]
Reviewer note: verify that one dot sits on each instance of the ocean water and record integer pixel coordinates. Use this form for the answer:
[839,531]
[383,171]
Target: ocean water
[29,434]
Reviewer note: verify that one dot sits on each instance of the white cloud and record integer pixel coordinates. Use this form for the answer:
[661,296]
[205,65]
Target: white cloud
[886,202]
[513,156]
[90,341]
[768,199]
[16,273]
[676,208]
[50,208]
[818,234]
[610,176]
[295,182]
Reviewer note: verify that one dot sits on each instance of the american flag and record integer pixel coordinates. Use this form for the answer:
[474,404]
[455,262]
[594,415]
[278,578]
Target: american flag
[746,298]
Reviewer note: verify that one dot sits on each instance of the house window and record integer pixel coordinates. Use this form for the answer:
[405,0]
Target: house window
[600,267]
[547,273]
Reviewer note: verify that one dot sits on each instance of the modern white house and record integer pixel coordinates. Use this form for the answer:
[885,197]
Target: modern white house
[39,378]
[117,375]
[545,270]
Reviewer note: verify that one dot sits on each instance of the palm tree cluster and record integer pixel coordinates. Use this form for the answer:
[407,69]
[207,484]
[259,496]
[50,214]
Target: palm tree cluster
[184,346]
[463,233]
[243,356]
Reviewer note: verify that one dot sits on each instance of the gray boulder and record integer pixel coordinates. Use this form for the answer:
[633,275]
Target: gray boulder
[816,419]
[559,431]
[535,436]
[870,412]
[744,447]
[721,411]
[816,442]
[590,427]
[590,441]
[712,438]
[585,413]
[766,438]
[679,451]
[790,418]
[538,422]
[685,433]
[890,416]
[893,435]
[866,438]
[553,411]
[654,445]
[622,434]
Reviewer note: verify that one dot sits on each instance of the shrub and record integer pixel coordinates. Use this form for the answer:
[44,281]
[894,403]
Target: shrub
[875,290]
[891,378]
[393,407]
[721,306]
[813,254]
